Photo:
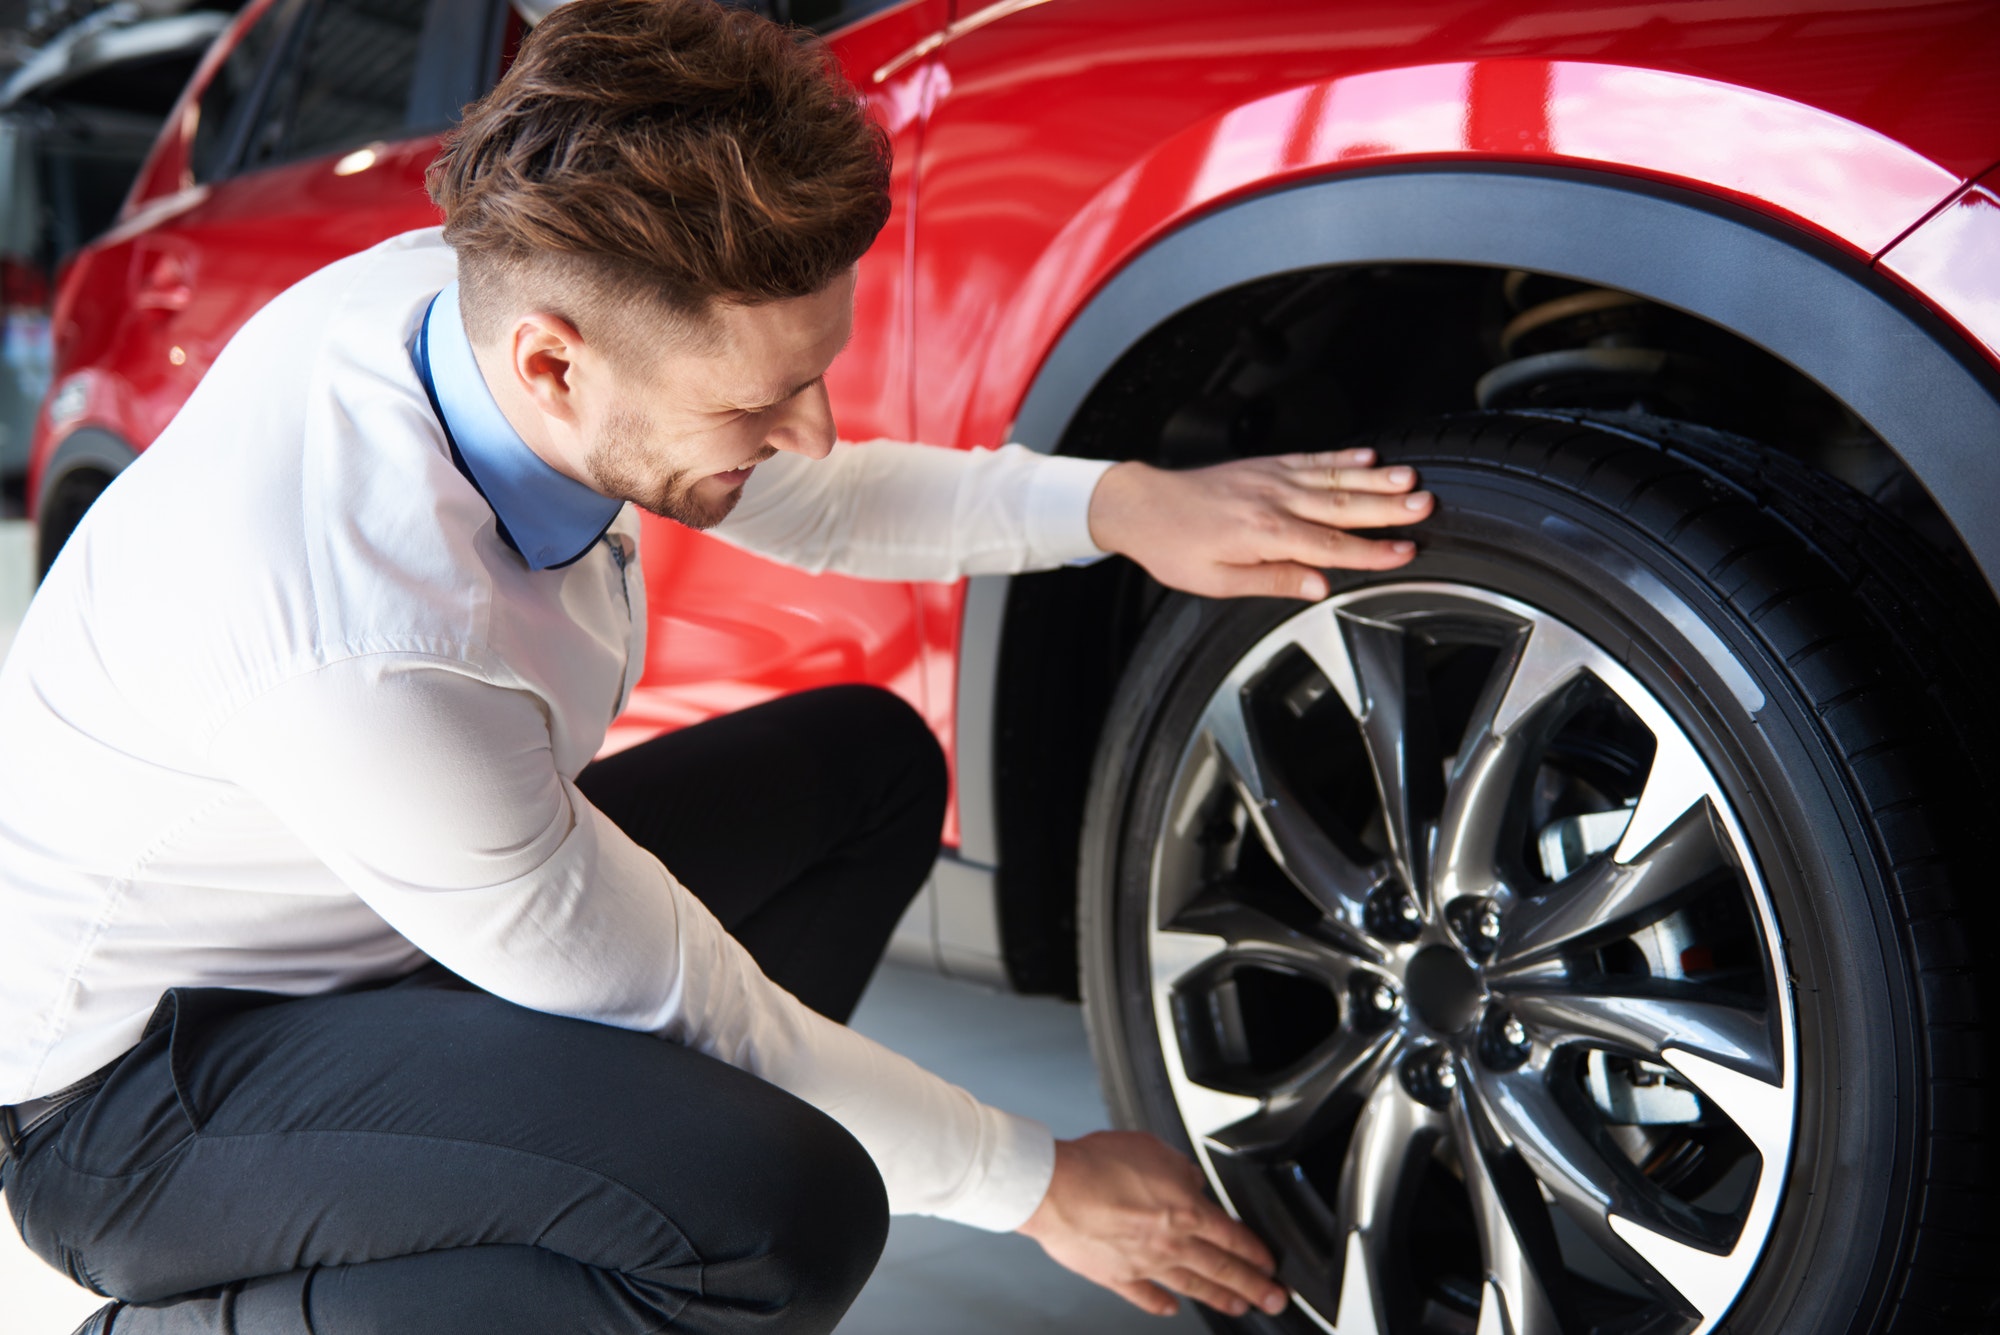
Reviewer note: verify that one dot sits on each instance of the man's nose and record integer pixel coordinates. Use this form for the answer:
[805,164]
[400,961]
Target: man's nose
[808,427]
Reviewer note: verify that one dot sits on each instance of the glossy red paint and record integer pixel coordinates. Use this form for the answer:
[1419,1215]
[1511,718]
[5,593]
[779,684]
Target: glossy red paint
[1021,217]
[1952,261]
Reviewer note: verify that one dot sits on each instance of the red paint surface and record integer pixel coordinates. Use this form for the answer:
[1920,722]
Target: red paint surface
[1040,146]
[1953,262]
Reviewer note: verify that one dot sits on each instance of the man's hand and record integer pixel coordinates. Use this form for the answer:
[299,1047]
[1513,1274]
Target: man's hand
[1257,526]
[1127,1212]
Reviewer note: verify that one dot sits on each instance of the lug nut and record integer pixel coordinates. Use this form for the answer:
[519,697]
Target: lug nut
[1430,1076]
[1503,1042]
[1476,922]
[1375,999]
[1393,915]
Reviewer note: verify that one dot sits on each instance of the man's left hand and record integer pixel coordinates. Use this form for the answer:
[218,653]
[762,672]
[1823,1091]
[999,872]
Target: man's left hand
[1257,527]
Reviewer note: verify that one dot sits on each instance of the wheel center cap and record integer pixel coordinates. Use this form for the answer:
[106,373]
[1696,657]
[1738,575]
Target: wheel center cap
[1443,989]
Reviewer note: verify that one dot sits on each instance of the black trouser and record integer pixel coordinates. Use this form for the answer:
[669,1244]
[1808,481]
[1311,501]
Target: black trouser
[425,1159]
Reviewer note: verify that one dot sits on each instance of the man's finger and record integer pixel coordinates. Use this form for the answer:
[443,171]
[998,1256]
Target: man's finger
[1331,476]
[1324,546]
[1359,509]
[1231,1239]
[1233,1273]
[1355,458]
[1273,579]
[1146,1297]
[1205,1290]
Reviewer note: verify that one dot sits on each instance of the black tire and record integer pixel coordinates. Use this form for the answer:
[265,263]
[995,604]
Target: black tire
[62,510]
[1833,674]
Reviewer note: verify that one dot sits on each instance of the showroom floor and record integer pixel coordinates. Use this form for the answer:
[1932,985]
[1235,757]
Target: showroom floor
[1023,1053]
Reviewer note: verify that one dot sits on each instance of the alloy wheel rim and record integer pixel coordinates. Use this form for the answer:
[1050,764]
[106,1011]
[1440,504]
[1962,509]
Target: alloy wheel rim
[1560,992]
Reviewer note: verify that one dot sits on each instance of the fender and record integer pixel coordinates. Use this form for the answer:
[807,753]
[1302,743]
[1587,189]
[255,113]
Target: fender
[1815,170]
[1900,369]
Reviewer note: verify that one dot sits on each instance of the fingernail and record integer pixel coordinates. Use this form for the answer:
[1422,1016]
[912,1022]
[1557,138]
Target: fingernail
[1416,500]
[1238,1308]
[1402,548]
[1401,475]
[1312,586]
[1275,1303]
[1364,456]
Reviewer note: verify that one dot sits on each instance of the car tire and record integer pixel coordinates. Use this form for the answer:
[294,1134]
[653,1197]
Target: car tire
[1573,930]
[62,509]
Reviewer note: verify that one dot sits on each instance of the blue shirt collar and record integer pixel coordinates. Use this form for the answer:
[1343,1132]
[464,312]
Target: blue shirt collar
[551,520]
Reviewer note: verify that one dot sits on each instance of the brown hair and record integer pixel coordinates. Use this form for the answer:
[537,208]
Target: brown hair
[675,148]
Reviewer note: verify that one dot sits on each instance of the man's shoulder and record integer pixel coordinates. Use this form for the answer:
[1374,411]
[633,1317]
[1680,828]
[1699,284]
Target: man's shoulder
[393,264]
[308,473]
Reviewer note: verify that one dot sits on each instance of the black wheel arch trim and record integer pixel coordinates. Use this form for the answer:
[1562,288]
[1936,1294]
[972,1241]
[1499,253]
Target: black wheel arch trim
[1897,367]
[85,447]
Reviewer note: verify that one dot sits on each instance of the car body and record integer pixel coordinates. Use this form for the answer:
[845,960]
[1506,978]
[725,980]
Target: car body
[76,120]
[1098,206]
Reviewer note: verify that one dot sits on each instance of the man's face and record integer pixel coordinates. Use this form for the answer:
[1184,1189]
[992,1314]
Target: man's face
[681,436]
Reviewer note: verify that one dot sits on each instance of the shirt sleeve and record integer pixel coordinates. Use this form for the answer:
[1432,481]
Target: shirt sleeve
[433,794]
[891,510]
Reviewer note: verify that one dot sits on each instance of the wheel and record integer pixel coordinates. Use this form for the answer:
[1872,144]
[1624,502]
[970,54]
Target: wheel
[1562,933]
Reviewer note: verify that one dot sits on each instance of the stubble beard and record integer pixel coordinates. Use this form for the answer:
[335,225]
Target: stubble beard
[620,466]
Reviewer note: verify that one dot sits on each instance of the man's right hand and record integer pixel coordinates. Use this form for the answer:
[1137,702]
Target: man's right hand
[1125,1211]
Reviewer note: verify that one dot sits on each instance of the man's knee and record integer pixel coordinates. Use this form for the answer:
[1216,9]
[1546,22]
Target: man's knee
[880,722]
[823,1215]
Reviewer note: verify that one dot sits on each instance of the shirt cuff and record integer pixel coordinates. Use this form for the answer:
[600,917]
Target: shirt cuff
[1019,1165]
[1059,509]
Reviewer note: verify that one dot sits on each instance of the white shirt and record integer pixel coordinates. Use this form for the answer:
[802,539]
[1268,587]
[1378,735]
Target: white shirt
[287,714]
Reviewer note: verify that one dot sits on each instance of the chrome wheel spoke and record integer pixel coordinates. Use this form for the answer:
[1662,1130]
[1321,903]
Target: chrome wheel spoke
[1611,898]
[1397,728]
[1532,675]
[1584,1182]
[1176,954]
[1645,1019]
[1517,1243]
[1321,1091]
[1391,1134]
[1246,930]
[1315,864]
[1763,1111]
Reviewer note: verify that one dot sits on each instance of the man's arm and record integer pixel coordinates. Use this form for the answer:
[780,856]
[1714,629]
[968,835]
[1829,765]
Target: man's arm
[889,510]
[433,795]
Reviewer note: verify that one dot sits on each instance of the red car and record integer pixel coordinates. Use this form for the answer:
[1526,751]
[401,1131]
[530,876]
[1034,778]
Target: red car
[1585,929]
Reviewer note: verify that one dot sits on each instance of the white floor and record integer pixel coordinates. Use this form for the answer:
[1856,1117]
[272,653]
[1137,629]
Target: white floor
[1027,1054]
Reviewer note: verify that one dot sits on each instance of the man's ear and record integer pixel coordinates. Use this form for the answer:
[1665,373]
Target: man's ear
[545,350]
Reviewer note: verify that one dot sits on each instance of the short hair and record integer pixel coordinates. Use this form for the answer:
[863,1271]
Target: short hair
[672,149]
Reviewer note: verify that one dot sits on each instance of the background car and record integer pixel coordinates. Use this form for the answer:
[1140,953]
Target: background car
[76,120]
[1584,929]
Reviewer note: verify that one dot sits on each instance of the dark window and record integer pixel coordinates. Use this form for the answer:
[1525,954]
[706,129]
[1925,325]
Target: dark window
[224,102]
[826,15]
[349,82]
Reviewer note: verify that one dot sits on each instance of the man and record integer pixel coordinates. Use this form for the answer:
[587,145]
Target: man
[336,975]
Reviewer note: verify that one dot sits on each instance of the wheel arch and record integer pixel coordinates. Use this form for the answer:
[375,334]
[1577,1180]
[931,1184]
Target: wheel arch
[1897,367]
[85,452]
